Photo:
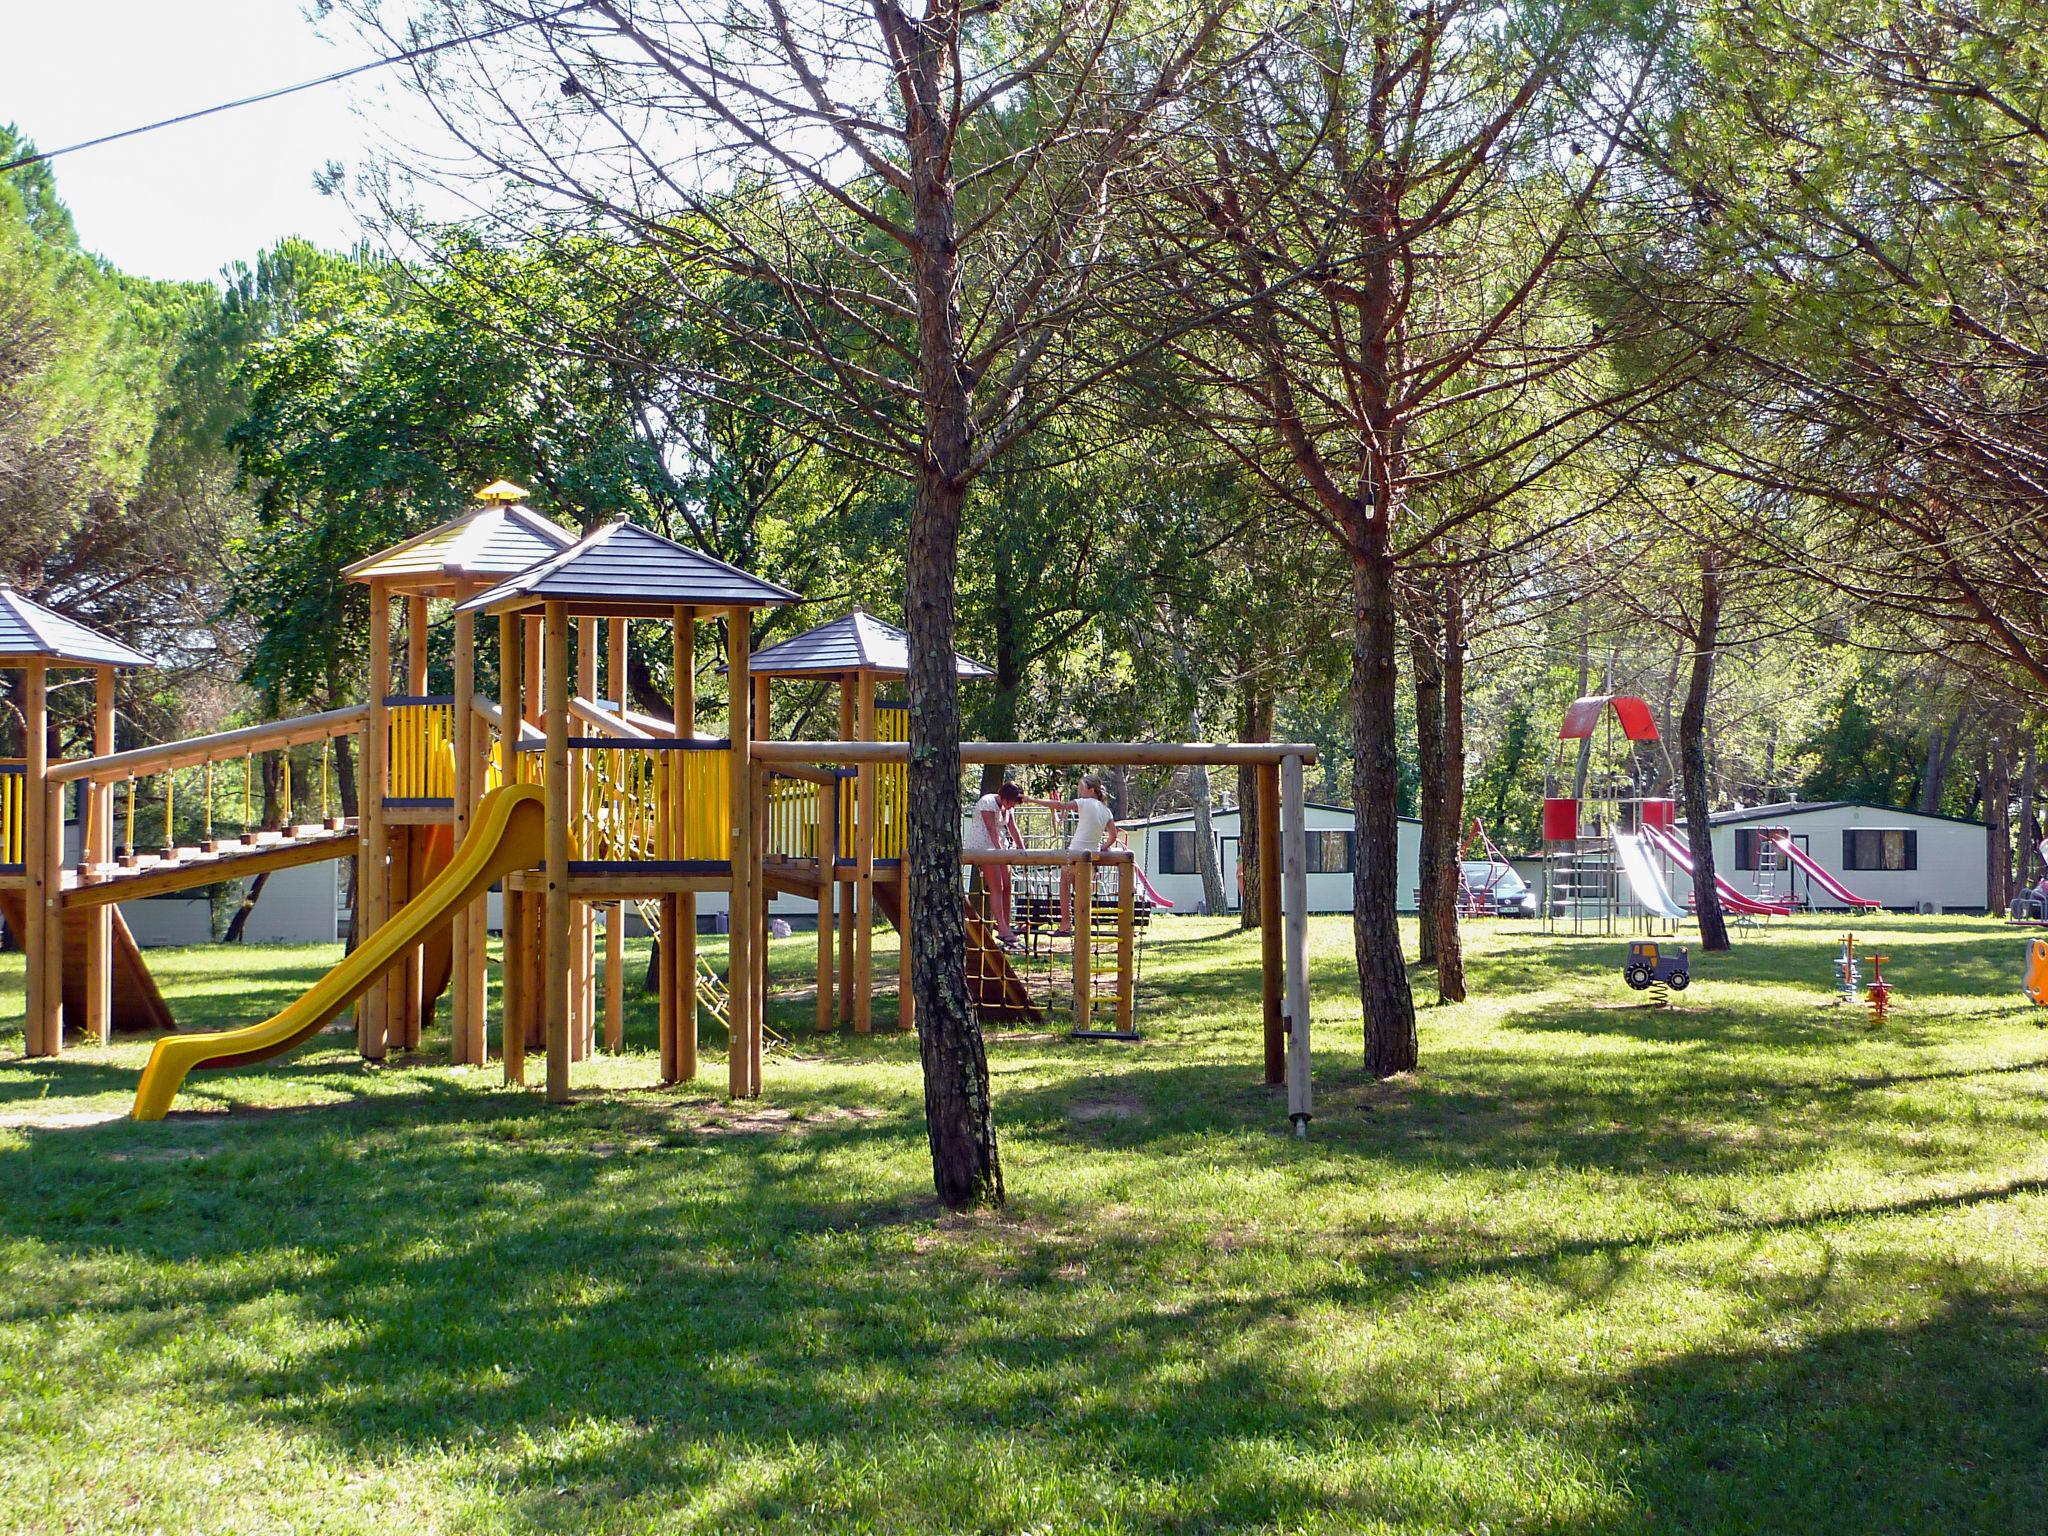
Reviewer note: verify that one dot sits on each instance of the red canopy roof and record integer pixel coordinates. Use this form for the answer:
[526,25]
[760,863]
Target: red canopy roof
[1584,714]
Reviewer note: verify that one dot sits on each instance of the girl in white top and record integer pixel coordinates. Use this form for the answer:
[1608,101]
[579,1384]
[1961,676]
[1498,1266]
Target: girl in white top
[993,826]
[1094,830]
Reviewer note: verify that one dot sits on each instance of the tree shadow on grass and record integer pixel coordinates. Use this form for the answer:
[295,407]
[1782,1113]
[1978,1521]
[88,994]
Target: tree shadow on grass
[1937,1425]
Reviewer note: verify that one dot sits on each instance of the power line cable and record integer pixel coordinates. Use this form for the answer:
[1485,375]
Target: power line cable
[382,62]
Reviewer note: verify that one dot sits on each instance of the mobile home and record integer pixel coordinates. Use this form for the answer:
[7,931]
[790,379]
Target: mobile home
[1907,861]
[1166,851]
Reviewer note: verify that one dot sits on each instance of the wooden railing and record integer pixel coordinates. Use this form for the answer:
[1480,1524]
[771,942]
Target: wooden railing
[207,789]
[644,801]
[419,748]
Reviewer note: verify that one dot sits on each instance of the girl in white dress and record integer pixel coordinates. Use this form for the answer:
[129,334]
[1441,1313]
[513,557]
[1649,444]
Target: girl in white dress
[1094,830]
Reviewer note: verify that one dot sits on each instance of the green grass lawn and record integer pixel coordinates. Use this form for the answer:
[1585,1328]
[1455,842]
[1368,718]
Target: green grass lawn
[1740,1266]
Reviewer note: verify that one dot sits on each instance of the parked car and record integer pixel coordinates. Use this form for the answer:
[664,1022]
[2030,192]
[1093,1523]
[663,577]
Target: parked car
[1508,893]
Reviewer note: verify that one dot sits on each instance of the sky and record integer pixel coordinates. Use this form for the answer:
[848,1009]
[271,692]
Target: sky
[183,202]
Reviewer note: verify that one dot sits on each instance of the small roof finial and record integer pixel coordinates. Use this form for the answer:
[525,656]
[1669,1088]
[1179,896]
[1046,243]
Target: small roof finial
[501,493]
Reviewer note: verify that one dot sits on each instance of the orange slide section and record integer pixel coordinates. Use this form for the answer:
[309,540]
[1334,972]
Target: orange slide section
[137,1005]
[437,954]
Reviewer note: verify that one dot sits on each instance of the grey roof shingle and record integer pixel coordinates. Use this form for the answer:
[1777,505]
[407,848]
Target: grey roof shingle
[492,541]
[31,632]
[859,642]
[623,567]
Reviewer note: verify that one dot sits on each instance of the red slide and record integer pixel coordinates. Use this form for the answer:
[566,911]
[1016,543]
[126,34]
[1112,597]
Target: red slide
[1732,899]
[1818,874]
[1145,885]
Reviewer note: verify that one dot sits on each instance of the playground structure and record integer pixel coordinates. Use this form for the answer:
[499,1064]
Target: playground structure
[630,808]
[1617,854]
[1597,848]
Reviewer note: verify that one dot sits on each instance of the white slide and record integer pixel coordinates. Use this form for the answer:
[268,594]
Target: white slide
[1644,882]
[1818,874]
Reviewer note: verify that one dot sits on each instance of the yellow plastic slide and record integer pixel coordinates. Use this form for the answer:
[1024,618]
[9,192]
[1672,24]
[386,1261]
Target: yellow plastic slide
[509,834]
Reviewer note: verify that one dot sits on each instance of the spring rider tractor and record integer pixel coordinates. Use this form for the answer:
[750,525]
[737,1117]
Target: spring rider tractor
[1650,962]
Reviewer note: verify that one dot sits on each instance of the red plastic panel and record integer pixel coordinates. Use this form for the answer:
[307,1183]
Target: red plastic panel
[1581,715]
[1660,813]
[1560,819]
[1634,716]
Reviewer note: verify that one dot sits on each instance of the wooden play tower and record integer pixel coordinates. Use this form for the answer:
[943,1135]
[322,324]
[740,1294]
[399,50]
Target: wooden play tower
[560,794]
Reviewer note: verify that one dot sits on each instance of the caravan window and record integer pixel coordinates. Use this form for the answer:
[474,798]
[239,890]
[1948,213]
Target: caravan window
[1880,848]
[1746,842]
[1177,853]
[1329,853]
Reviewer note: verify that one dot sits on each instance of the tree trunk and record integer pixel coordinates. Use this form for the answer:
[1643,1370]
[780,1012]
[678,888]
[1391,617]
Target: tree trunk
[1998,817]
[1214,897]
[1256,725]
[1583,764]
[345,795]
[1391,1045]
[959,1119]
[1942,741]
[1450,948]
[1012,634]
[2030,772]
[1692,756]
[1425,653]
[239,923]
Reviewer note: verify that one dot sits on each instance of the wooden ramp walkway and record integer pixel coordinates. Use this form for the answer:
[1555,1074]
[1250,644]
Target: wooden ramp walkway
[235,860]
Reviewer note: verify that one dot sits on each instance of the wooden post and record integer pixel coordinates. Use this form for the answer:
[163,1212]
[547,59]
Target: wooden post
[864,862]
[757,978]
[906,995]
[45,991]
[846,903]
[583,932]
[558,918]
[99,849]
[1126,941]
[828,890]
[512,1000]
[615,919]
[1084,939]
[53,918]
[740,951]
[416,643]
[557,976]
[536,668]
[684,957]
[373,1015]
[1272,976]
[406,856]
[681,954]
[464,1048]
[758,729]
[407,1020]
[512,1007]
[1294,842]
[665,981]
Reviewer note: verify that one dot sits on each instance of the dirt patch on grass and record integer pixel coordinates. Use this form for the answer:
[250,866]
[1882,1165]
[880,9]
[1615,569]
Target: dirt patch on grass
[1373,1096]
[770,1120]
[36,1118]
[1097,1111]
